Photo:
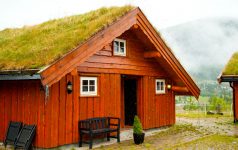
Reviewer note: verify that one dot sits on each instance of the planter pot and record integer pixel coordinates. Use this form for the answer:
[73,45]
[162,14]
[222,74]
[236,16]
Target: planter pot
[138,138]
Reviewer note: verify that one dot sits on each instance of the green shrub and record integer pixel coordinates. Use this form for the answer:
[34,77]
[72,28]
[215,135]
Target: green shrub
[191,107]
[137,127]
[215,102]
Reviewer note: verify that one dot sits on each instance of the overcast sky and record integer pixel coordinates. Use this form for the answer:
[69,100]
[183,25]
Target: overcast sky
[162,13]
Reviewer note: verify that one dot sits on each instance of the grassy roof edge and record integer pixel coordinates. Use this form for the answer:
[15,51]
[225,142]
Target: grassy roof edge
[36,47]
[231,67]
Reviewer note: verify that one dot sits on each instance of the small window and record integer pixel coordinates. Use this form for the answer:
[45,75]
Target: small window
[119,47]
[160,86]
[88,86]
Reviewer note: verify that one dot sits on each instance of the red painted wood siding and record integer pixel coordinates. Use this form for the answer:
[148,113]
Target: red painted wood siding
[236,99]
[22,101]
[154,110]
[133,64]
[57,117]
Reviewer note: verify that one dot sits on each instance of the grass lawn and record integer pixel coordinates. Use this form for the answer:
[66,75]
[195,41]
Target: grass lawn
[210,142]
[196,114]
[212,133]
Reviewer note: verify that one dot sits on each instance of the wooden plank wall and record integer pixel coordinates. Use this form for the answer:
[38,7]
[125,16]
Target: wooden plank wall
[159,109]
[133,64]
[57,117]
[236,99]
[22,101]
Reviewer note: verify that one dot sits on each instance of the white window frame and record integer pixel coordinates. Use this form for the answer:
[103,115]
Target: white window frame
[119,53]
[88,93]
[160,91]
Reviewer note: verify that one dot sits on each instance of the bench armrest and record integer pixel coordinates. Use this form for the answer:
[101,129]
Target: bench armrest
[114,118]
[114,124]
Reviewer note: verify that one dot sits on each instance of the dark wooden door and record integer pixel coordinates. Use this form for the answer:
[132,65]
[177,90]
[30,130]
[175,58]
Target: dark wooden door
[130,100]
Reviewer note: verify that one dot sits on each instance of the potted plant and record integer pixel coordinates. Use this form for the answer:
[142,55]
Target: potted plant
[138,133]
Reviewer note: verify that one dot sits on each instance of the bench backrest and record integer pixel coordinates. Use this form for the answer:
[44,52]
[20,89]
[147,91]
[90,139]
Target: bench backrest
[94,123]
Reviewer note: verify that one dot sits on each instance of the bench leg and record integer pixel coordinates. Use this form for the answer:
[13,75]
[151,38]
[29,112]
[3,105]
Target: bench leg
[80,139]
[108,136]
[5,144]
[91,141]
[118,135]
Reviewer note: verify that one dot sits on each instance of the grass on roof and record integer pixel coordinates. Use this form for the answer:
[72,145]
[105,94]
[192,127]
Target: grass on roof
[37,46]
[232,66]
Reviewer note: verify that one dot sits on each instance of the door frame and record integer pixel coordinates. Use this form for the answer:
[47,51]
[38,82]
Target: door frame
[138,96]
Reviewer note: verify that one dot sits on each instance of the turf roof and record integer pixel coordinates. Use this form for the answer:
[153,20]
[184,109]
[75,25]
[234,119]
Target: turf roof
[231,67]
[35,47]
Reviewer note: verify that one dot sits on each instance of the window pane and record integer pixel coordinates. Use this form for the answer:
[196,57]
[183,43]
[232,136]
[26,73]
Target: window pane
[116,46]
[85,88]
[116,49]
[91,82]
[122,49]
[122,45]
[116,43]
[92,88]
[85,82]
[162,85]
[157,87]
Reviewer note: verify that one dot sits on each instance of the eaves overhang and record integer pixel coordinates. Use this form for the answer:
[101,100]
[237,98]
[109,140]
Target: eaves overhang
[30,74]
[227,78]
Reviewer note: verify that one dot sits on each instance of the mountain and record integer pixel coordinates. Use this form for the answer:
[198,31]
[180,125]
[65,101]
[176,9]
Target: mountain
[203,46]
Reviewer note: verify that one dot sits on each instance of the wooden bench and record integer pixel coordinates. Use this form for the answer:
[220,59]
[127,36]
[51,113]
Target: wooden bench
[97,126]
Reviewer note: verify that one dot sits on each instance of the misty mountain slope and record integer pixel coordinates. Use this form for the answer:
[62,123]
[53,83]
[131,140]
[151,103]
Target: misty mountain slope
[204,46]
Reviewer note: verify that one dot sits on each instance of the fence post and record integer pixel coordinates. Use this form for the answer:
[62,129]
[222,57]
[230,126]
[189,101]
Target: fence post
[205,110]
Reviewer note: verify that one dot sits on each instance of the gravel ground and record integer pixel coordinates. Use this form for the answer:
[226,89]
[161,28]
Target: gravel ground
[216,125]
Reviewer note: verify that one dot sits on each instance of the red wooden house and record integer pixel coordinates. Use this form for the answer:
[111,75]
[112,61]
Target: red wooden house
[123,69]
[230,75]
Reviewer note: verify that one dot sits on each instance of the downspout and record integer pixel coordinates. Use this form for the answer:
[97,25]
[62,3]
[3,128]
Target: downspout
[234,108]
[45,87]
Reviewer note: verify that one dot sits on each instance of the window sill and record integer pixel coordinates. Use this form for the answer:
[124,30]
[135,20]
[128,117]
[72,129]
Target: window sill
[160,93]
[115,55]
[81,96]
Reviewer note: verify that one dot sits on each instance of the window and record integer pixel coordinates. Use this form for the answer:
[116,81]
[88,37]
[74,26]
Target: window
[119,47]
[160,86]
[88,86]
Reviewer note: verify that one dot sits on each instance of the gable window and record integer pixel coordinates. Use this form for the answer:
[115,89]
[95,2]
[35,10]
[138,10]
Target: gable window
[88,86]
[119,47]
[160,86]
